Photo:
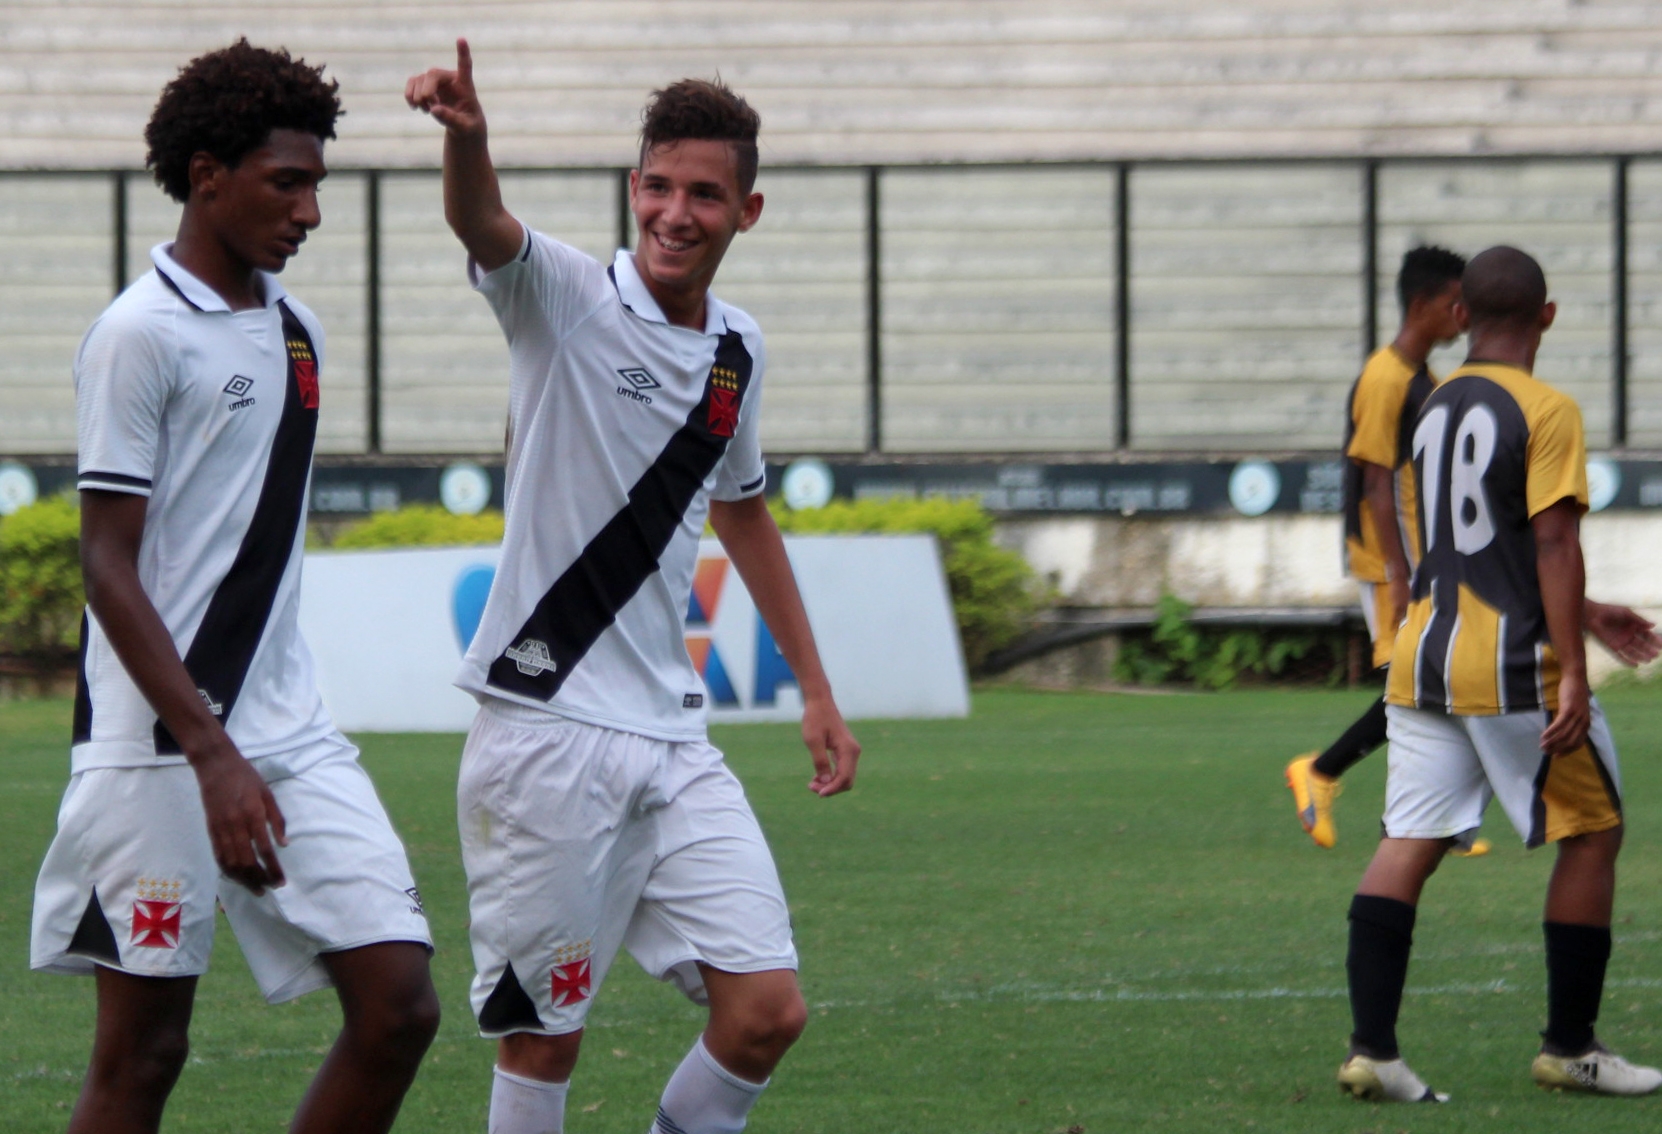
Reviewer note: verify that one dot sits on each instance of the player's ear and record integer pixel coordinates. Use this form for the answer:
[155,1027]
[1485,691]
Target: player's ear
[206,172]
[1462,316]
[1549,312]
[750,212]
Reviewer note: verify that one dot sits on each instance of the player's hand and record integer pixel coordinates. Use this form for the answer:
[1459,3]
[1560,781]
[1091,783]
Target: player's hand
[1568,729]
[243,818]
[449,96]
[1397,591]
[833,747]
[1624,632]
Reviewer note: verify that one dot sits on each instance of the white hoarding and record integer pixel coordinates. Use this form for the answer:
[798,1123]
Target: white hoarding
[388,628]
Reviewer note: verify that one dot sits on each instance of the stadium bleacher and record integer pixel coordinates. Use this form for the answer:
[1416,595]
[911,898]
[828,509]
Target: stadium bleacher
[998,285]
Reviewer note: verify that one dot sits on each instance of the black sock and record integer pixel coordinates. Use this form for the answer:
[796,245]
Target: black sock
[1381,933]
[1361,738]
[1576,958]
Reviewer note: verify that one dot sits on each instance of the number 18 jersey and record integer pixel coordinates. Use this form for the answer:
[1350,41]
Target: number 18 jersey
[1493,448]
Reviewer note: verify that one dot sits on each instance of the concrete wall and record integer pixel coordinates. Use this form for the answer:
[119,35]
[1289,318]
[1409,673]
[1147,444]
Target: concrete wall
[1288,561]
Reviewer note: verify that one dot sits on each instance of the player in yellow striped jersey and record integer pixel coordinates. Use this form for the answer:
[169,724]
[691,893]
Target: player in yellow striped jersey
[1381,539]
[1488,695]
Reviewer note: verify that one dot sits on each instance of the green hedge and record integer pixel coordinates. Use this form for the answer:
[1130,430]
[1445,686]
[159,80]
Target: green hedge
[40,579]
[420,525]
[994,592]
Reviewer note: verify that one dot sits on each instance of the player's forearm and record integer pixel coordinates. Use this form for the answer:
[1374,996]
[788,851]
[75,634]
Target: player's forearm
[141,640]
[752,541]
[1379,490]
[473,201]
[1562,576]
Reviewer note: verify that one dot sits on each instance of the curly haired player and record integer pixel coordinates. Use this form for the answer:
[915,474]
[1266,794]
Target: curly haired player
[594,812]
[205,769]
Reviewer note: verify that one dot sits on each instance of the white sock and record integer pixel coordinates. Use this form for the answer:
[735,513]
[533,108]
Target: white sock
[526,1106]
[703,1097]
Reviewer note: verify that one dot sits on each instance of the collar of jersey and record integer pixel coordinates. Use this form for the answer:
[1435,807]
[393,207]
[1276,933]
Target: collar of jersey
[633,294]
[1483,365]
[198,294]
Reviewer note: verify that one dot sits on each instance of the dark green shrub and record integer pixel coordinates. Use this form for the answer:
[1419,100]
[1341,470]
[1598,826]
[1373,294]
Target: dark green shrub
[994,592]
[40,579]
[1175,650]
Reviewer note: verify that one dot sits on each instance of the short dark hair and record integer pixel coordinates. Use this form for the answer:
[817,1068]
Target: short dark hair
[1425,272]
[704,110]
[1504,285]
[227,103]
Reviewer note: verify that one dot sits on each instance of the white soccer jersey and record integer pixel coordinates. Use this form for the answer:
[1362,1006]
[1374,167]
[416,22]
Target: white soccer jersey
[623,428]
[211,414]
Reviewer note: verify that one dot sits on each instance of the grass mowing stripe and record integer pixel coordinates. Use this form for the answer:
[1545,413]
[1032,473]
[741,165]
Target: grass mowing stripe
[1068,911]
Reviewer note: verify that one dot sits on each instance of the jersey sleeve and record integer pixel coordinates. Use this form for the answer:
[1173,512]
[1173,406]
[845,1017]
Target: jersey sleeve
[1376,414]
[1557,457]
[544,291]
[742,472]
[123,379]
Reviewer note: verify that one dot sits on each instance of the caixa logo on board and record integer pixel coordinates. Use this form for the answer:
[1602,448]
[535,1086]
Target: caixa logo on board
[730,646]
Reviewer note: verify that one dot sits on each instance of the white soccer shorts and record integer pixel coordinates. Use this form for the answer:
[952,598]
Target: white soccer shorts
[130,881]
[579,839]
[1444,769]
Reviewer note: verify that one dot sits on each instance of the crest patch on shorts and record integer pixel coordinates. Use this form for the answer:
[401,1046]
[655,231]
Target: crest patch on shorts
[157,913]
[569,981]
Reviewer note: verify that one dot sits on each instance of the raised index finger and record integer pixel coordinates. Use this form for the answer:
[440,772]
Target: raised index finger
[464,62]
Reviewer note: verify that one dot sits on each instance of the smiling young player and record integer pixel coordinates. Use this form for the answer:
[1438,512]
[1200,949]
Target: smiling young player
[594,812]
[206,769]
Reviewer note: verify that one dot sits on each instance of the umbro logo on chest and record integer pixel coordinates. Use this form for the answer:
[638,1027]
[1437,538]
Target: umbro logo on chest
[238,388]
[636,381]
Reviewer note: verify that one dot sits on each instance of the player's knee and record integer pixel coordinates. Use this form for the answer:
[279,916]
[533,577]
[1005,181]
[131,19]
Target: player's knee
[775,1023]
[417,1021]
[409,1025]
[147,1065]
[793,1020]
[399,1025]
[550,1059]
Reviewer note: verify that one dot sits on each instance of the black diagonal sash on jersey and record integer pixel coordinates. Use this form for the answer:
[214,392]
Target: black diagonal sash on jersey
[223,649]
[585,600]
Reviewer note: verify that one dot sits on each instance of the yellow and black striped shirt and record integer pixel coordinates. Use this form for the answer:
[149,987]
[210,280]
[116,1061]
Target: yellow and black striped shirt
[1383,404]
[1493,447]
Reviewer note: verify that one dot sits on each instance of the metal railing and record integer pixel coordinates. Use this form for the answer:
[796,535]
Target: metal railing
[1144,249]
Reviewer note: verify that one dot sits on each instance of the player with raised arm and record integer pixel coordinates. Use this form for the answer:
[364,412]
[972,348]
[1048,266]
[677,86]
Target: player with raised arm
[205,767]
[1488,696]
[1381,536]
[594,812]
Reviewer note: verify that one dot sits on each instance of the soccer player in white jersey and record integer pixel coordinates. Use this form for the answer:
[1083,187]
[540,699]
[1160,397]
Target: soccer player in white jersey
[594,812]
[205,769]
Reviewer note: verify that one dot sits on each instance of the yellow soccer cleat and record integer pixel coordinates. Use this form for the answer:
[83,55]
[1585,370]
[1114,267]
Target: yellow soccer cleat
[1313,796]
[1478,847]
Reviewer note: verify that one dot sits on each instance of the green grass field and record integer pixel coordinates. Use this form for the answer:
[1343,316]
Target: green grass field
[1069,912]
